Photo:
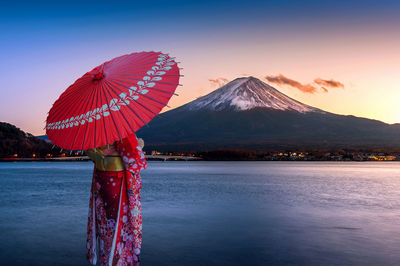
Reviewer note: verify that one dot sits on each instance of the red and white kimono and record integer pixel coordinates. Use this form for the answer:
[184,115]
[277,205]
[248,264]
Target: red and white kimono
[115,219]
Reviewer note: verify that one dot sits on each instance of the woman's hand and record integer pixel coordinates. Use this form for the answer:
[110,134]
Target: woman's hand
[140,142]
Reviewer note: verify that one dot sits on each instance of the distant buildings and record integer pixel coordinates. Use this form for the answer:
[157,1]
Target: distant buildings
[382,158]
[315,155]
[155,153]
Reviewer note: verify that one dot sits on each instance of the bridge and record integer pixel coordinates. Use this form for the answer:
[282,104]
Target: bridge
[172,158]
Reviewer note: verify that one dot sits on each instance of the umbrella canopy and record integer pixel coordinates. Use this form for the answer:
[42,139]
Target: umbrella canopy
[112,101]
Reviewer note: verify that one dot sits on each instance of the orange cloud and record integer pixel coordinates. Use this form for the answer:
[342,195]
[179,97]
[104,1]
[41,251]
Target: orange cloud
[282,80]
[219,81]
[329,83]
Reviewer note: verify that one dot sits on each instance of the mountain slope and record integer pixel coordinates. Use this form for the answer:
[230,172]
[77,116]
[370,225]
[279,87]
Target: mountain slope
[249,114]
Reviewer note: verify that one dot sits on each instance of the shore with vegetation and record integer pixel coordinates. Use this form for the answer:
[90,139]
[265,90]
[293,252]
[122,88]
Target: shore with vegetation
[16,145]
[238,155]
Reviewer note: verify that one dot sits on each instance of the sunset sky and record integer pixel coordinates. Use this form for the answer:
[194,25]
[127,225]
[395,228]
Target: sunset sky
[339,56]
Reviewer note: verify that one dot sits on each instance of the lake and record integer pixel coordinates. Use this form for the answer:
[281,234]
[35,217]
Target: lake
[213,213]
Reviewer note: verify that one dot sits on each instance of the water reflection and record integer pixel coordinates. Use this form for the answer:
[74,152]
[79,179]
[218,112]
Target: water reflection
[213,213]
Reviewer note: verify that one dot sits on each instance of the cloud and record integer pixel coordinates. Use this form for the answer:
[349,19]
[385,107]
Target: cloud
[218,81]
[282,80]
[329,83]
[318,85]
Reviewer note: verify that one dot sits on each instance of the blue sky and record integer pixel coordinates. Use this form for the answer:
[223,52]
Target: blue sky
[46,45]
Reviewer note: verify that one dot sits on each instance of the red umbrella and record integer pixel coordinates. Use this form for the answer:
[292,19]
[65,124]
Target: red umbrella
[112,101]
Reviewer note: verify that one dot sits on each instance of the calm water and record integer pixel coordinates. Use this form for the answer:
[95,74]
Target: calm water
[213,213]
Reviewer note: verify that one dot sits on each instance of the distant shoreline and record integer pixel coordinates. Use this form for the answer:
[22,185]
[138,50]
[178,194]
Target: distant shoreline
[85,159]
[55,159]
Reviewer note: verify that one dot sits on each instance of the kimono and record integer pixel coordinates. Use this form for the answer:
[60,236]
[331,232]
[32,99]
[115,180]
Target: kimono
[114,228]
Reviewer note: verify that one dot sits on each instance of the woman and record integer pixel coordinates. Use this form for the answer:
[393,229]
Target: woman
[115,220]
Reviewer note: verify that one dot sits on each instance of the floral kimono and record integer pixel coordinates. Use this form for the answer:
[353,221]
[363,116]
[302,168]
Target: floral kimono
[115,220]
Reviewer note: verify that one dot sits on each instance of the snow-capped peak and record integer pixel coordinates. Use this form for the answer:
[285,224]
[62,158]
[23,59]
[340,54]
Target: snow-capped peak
[247,93]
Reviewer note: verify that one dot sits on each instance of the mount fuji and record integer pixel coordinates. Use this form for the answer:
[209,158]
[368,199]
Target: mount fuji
[247,113]
[245,94]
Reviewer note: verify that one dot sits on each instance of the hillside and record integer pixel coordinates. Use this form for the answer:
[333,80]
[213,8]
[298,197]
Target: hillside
[15,141]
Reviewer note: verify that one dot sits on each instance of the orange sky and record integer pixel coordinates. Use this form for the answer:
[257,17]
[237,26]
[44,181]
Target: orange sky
[368,64]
